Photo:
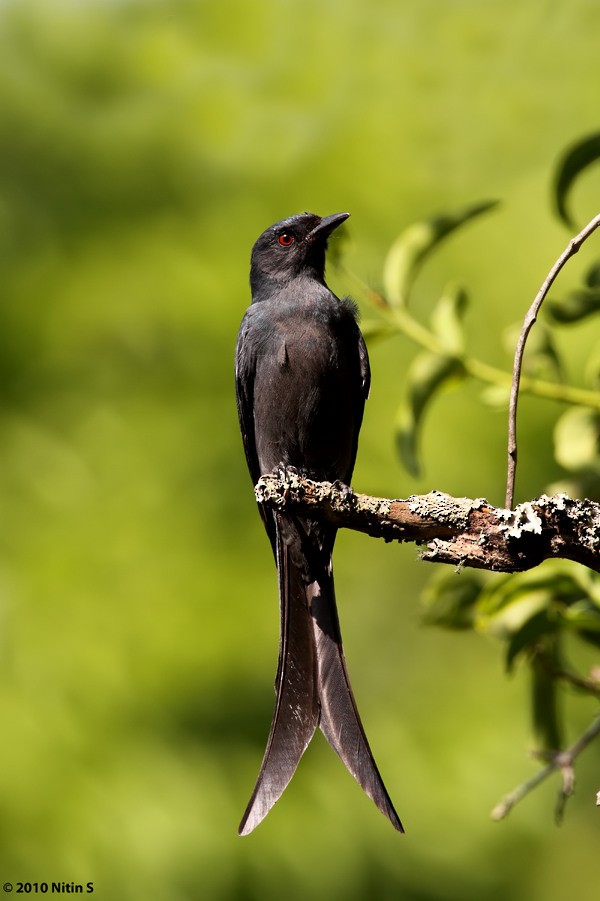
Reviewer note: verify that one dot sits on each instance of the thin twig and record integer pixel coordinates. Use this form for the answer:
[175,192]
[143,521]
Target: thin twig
[590,686]
[528,322]
[562,760]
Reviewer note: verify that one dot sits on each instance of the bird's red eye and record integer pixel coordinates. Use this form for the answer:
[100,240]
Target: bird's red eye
[285,239]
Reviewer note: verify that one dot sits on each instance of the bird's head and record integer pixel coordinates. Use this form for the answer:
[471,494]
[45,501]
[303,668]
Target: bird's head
[292,247]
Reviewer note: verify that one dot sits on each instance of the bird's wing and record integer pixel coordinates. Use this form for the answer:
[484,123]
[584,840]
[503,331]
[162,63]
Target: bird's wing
[365,369]
[245,369]
[245,372]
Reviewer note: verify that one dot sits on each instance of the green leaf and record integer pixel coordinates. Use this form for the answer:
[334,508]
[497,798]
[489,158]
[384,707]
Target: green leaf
[546,719]
[528,636]
[449,599]
[592,276]
[577,158]
[507,605]
[582,616]
[576,436]
[410,249]
[447,316]
[592,369]
[590,636]
[428,373]
[576,306]
[504,613]
[592,587]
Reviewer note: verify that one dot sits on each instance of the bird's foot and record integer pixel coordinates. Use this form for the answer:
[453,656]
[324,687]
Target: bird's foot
[285,472]
[288,475]
[345,490]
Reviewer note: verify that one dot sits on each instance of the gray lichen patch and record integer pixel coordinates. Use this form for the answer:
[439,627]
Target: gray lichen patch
[452,511]
[379,507]
[520,520]
[269,490]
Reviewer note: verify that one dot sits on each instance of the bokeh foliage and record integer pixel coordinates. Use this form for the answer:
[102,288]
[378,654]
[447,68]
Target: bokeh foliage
[143,147]
[535,612]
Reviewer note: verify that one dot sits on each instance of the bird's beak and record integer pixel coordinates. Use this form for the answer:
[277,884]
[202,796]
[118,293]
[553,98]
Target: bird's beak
[326,226]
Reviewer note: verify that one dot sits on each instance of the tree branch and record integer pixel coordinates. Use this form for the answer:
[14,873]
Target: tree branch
[458,531]
[562,760]
[464,532]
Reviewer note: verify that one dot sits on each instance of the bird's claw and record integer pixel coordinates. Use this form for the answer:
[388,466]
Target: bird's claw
[345,490]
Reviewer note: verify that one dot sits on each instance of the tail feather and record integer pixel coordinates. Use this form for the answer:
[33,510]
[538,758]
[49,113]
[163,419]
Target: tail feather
[340,721]
[312,685]
[296,713]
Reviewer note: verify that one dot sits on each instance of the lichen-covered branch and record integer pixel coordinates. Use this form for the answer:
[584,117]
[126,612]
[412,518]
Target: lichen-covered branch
[459,531]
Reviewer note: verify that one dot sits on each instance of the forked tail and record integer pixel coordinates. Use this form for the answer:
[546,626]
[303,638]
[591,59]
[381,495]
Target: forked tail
[312,685]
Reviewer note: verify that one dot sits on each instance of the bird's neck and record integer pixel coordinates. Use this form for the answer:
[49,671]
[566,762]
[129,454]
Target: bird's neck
[264,285]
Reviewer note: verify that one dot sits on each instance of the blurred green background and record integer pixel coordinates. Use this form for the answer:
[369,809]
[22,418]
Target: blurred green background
[143,148]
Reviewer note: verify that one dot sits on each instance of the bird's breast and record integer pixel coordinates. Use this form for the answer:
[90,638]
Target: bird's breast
[307,394]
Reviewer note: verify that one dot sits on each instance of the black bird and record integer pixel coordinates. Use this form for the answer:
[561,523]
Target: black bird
[302,378]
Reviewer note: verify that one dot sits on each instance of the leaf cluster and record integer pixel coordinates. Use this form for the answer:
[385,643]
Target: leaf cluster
[535,614]
[444,358]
